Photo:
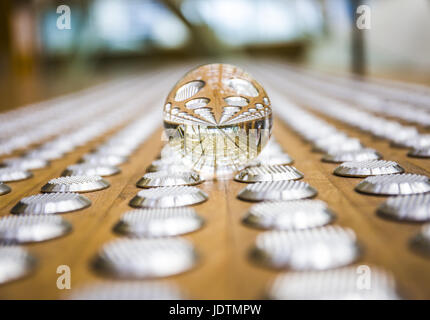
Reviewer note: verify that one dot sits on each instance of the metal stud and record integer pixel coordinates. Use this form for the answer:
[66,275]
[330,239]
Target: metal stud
[165,179]
[45,154]
[394,184]
[164,222]
[146,258]
[15,263]
[421,241]
[117,150]
[268,173]
[14,174]
[32,228]
[170,165]
[289,215]
[128,290]
[420,153]
[76,184]
[414,207]
[339,284]
[103,159]
[51,203]
[368,168]
[25,163]
[355,155]
[88,169]
[277,190]
[270,160]
[165,197]
[311,249]
[4,189]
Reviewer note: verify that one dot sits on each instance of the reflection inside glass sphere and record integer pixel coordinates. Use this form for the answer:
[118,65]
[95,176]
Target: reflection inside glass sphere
[217,118]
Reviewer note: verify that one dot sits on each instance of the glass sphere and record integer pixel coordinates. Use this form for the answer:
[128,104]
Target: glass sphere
[217,118]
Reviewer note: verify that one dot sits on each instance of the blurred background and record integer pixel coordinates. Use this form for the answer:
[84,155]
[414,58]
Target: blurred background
[104,38]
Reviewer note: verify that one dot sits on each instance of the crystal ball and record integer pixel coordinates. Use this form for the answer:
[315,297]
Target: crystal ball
[217,118]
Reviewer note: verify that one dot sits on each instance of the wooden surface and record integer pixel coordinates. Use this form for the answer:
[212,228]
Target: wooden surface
[224,271]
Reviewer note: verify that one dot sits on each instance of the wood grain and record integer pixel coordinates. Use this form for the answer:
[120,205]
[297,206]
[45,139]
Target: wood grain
[224,270]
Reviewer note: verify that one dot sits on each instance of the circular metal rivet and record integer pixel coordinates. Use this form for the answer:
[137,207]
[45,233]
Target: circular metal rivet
[103,159]
[289,215]
[25,163]
[163,222]
[268,173]
[277,190]
[165,179]
[415,207]
[89,169]
[421,241]
[149,290]
[15,263]
[14,174]
[355,155]
[394,184]
[420,153]
[165,197]
[188,90]
[32,228]
[339,284]
[271,160]
[336,143]
[417,142]
[146,258]
[367,168]
[51,203]
[45,154]
[76,184]
[4,189]
[311,249]
[116,150]
[169,164]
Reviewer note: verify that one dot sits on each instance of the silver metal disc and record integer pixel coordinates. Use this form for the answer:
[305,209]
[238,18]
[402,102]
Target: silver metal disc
[76,184]
[355,155]
[4,189]
[89,169]
[167,152]
[51,203]
[277,190]
[147,290]
[368,168]
[146,258]
[268,173]
[415,207]
[117,150]
[24,163]
[45,154]
[270,160]
[421,241]
[103,159]
[166,179]
[165,197]
[15,263]
[332,144]
[32,228]
[14,174]
[289,215]
[164,222]
[339,284]
[394,184]
[420,153]
[170,165]
[416,142]
[311,249]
